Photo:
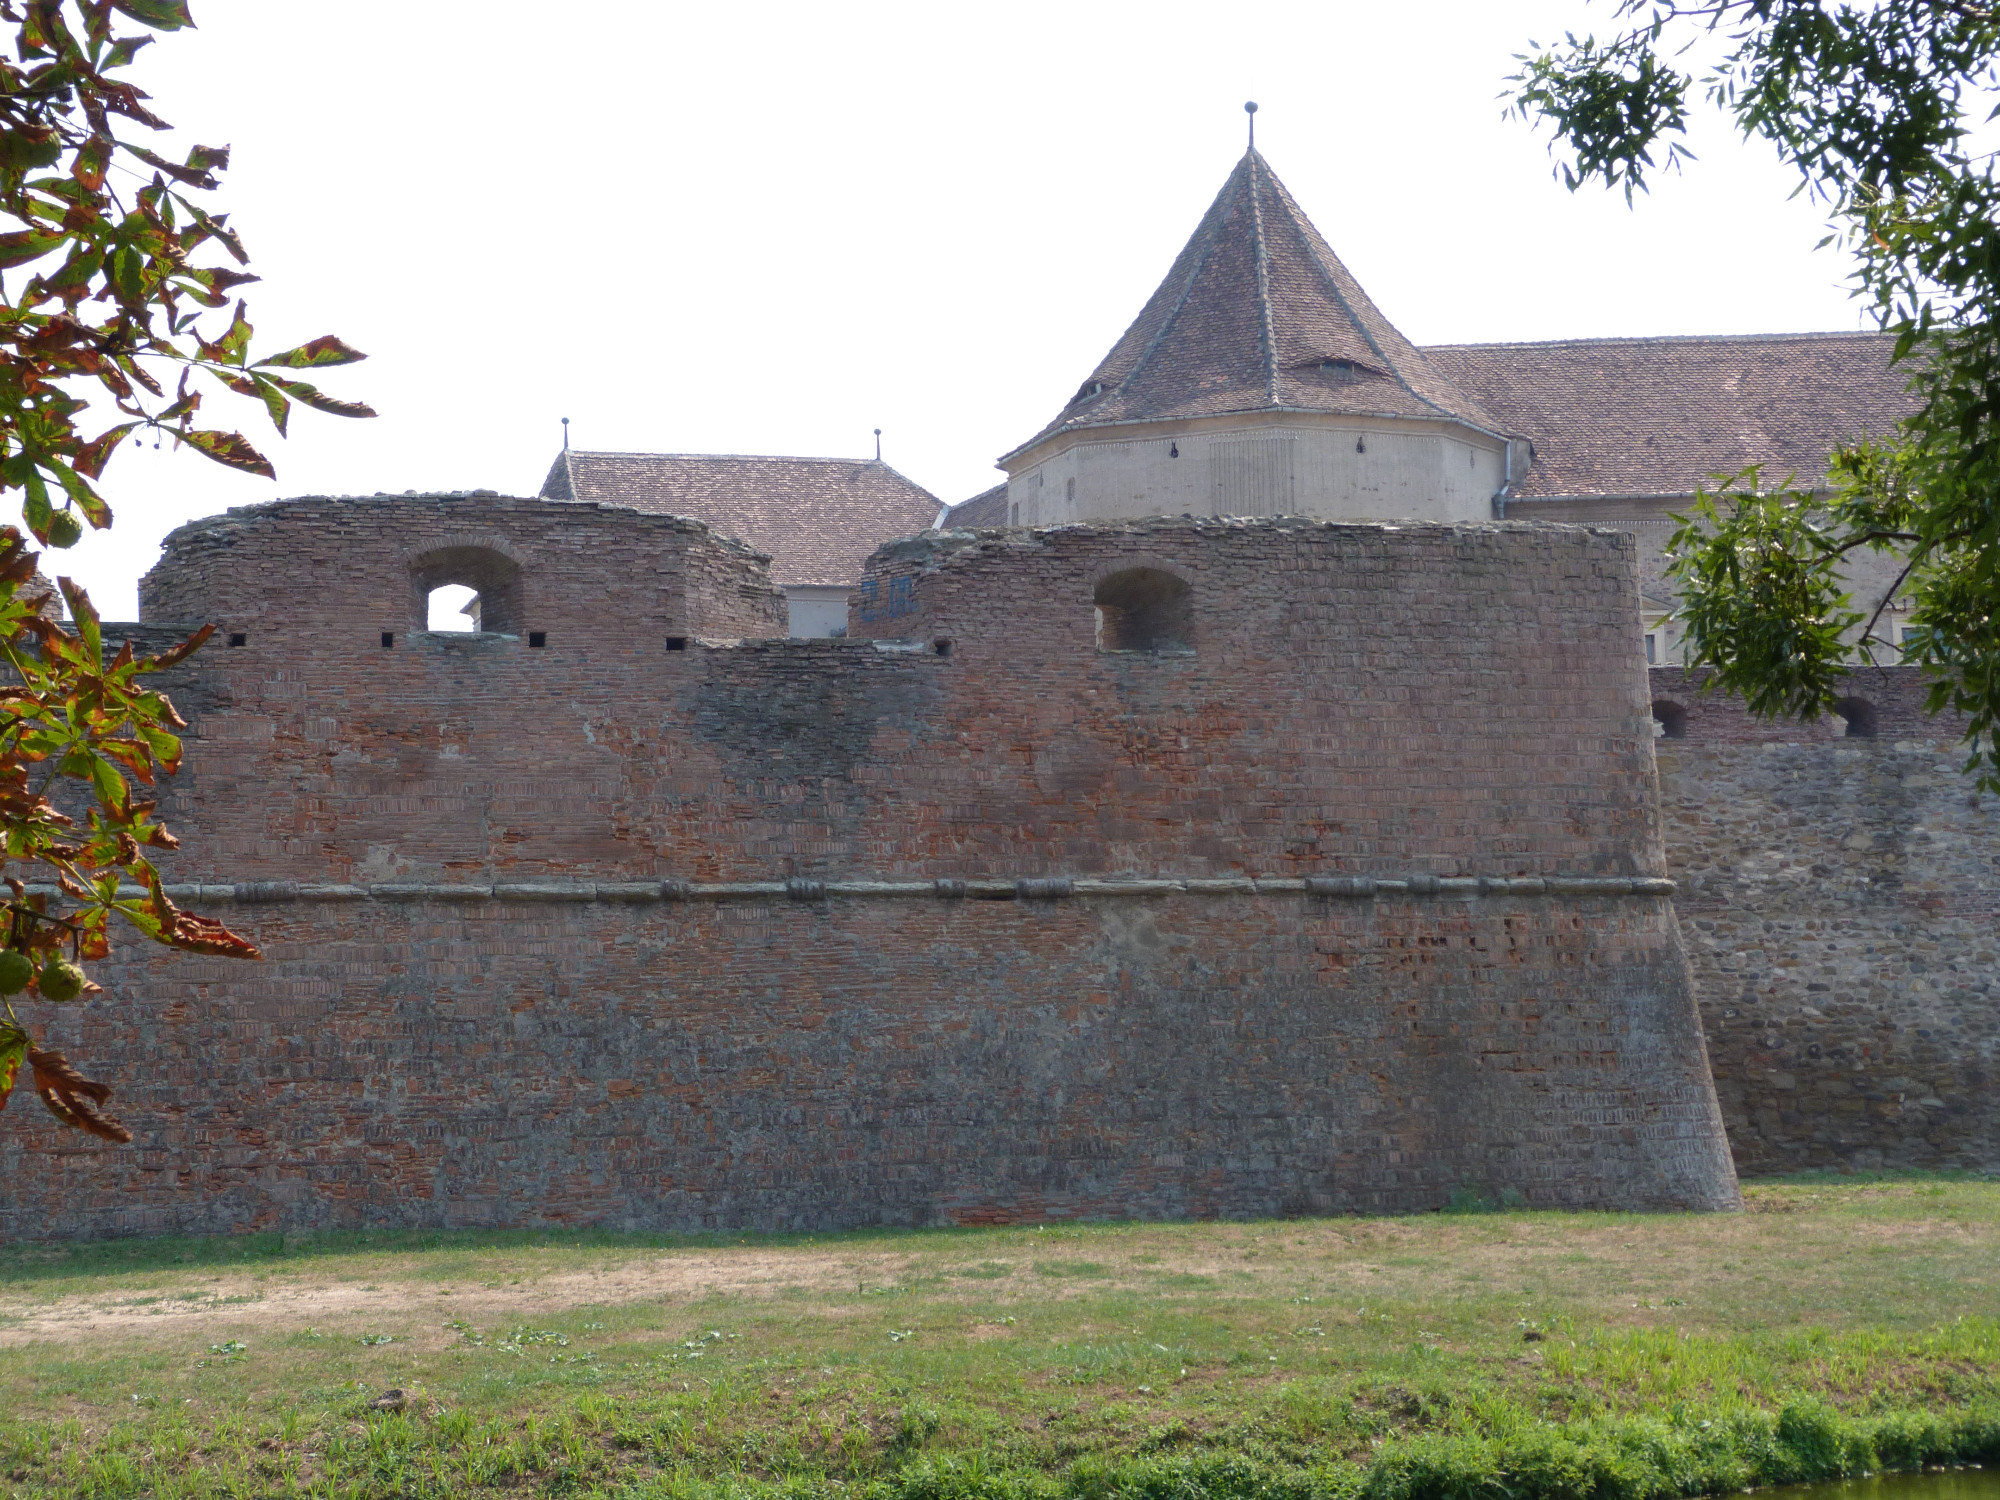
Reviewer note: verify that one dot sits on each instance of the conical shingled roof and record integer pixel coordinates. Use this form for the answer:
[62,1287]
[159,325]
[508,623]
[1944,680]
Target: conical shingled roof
[1258,314]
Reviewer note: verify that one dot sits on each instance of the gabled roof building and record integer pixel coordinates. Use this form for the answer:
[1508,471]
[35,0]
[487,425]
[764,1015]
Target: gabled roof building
[817,519]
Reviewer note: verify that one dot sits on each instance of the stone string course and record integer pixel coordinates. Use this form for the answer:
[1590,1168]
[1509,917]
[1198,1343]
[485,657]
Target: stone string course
[1302,919]
[1355,887]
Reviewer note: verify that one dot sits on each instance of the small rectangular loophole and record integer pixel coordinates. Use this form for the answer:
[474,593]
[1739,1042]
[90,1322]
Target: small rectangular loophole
[388,639]
[941,646]
[677,643]
[538,638]
[238,638]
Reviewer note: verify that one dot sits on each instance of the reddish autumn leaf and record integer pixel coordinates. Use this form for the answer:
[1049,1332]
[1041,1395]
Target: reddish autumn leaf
[72,1098]
[115,310]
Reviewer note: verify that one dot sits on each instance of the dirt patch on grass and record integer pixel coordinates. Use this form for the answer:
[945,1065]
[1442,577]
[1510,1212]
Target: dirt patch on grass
[1612,1269]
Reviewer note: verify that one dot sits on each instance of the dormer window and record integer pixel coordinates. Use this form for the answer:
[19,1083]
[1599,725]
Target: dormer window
[1345,367]
[1091,390]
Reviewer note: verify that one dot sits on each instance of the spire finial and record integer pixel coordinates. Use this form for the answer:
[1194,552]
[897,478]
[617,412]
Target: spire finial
[878,445]
[565,434]
[1250,109]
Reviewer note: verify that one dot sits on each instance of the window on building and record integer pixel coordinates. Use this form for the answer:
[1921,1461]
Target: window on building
[1144,609]
[1652,648]
[1670,720]
[452,607]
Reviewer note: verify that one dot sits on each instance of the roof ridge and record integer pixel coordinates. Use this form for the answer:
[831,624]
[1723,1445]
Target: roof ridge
[1266,327]
[1663,338]
[786,458]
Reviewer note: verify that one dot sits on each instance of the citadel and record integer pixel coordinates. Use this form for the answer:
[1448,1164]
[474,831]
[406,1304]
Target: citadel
[1252,806]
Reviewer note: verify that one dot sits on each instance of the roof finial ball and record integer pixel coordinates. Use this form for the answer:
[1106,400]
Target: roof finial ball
[878,445]
[1250,109]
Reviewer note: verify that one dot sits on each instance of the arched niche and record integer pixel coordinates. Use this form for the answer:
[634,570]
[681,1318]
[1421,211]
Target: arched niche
[1144,609]
[491,574]
[1859,714]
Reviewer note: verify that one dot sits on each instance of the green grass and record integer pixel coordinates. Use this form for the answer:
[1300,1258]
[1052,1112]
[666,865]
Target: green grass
[1841,1325]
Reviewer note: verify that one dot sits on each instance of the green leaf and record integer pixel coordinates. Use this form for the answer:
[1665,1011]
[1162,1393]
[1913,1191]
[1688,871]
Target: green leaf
[165,747]
[163,15]
[21,149]
[234,345]
[35,508]
[231,449]
[87,500]
[320,352]
[128,268]
[13,1052]
[24,245]
[109,784]
[274,402]
[203,180]
[83,614]
[122,52]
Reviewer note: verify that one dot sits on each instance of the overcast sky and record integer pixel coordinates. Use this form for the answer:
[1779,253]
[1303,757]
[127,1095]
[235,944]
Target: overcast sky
[772,228]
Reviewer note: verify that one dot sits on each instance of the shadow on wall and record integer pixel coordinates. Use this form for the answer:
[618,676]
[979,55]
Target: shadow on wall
[1144,609]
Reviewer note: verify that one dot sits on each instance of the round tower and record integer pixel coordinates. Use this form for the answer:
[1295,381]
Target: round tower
[1259,380]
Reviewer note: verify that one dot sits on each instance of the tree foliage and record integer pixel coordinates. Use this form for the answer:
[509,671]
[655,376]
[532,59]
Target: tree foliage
[111,292]
[1879,107]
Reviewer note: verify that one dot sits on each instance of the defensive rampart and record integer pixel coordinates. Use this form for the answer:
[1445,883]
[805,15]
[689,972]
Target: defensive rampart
[1145,869]
[1840,896]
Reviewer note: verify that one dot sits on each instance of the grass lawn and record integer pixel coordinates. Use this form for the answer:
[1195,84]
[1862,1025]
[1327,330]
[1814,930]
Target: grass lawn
[1838,1326]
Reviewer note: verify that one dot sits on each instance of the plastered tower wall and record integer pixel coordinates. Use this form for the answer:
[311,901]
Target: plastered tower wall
[1329,468]
[1840,897]
[959,920]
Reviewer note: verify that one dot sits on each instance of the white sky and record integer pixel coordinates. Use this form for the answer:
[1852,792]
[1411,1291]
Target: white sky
[771,228]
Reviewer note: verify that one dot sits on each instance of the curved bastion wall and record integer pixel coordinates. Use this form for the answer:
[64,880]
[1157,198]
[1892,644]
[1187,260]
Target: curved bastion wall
[1163,868]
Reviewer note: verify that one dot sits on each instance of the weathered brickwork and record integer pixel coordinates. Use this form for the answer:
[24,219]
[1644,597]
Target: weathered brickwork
[792,1065]
[1841,903]
[844,1059]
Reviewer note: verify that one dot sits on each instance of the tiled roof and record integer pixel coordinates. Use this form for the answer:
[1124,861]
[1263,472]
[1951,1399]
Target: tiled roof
[818,518]
[1661,416]
[987,508]
[1258,314]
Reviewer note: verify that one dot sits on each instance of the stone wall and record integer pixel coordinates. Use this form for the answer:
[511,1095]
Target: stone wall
[624,927]
[1840,896]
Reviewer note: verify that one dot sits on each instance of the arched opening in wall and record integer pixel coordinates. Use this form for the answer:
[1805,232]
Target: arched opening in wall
[1860,716]
[1670,720]
[444,582]
[453,607]
[1144,609]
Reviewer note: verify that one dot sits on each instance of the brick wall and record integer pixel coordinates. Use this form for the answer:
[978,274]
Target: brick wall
[1840,898]
[491,1052]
